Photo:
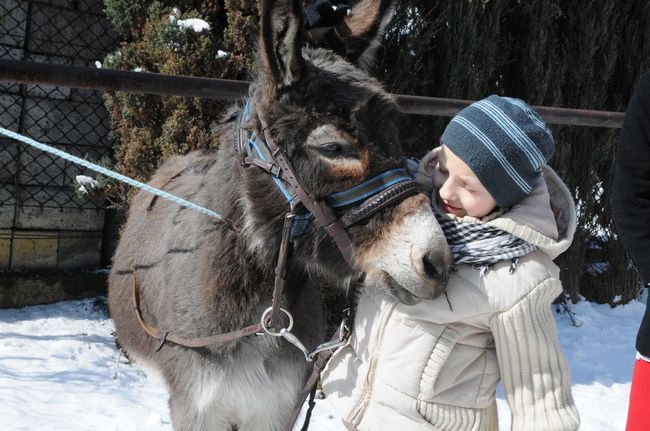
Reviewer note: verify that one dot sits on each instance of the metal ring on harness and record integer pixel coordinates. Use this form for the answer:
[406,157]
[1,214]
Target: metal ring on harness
[279,333]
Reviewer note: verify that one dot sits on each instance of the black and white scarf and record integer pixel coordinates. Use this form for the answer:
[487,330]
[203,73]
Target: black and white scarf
[482,245]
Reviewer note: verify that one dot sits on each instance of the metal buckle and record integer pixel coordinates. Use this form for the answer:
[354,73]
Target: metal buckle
[296,342]
[344,329]
[344,333]
[287,335]
[279,333]
[330,345]
[284,332]
[275,170]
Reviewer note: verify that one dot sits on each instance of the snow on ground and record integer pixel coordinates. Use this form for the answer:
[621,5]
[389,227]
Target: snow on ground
[60,370]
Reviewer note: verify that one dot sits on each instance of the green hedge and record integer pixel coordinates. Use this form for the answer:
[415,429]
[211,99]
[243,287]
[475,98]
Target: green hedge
[149,129]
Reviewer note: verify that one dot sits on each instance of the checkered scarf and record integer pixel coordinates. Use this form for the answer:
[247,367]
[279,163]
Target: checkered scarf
[482,245]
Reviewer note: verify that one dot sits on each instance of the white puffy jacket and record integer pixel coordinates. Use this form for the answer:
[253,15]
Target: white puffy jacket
[435,365]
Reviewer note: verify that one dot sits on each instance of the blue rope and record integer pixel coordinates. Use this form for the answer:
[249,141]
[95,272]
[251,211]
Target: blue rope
[111,174]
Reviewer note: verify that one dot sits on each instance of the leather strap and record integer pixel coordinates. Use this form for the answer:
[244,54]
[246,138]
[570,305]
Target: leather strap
[274,318]
[333,226]
[309,386]
[388,197]
[273,161]
[281,269]
[187,342]
[323,358]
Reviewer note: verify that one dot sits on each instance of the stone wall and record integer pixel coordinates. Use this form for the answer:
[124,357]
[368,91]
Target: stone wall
[44,225]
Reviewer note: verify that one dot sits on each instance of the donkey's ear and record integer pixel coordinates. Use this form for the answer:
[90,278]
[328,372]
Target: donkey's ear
[361,30]
[281,40]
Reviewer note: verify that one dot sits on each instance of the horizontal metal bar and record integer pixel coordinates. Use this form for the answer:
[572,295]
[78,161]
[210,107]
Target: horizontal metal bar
[25,72]
[562,116]
[581,117]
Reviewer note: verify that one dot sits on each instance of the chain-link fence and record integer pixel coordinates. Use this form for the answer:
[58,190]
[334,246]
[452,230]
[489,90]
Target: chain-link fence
[44,223]
[60,32]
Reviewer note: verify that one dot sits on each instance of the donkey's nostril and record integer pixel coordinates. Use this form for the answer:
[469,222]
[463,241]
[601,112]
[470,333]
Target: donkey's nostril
[429,261]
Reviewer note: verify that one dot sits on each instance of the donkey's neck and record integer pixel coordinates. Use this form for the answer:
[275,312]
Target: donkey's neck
[255,203]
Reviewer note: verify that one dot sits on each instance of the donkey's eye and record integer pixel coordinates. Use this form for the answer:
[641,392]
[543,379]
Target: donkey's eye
[332,143]
[337,150]
[332,148]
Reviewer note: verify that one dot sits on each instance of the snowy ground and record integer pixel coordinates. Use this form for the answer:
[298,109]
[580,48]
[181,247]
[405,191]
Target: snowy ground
[60,370]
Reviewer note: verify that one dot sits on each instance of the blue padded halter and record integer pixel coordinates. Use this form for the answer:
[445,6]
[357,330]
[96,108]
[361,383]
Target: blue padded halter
[354,194]
[368,188]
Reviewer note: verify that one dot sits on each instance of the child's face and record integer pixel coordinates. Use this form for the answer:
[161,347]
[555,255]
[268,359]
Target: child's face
[460,191]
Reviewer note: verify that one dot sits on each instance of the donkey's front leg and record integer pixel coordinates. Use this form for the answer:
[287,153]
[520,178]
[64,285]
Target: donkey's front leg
[275,399]
[199,391]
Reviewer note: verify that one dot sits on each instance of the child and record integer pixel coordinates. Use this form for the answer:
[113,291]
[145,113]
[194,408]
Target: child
[436,365]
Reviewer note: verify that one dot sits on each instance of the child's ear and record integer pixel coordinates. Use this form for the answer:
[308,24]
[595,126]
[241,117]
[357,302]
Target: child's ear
[424,175]
[431,158]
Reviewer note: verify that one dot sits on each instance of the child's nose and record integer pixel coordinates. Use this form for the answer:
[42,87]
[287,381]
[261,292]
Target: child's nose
[446,192]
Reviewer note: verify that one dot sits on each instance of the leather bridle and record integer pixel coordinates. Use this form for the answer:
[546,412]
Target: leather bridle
[385,189]
[359,202]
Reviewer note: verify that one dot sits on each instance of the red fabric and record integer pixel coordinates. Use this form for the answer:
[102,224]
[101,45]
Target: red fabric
[638,414]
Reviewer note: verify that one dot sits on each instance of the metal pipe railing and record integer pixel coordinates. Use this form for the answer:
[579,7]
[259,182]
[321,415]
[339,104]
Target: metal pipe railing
[25,72]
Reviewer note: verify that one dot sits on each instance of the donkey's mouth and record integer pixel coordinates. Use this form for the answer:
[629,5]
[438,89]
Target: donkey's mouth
[399,292]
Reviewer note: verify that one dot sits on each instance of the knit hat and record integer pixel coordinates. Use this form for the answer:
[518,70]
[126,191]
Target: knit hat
[504,142]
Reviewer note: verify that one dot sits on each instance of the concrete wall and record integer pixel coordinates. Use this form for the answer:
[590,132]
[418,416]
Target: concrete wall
[44,225]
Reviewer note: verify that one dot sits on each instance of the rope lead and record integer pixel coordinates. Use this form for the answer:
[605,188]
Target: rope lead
[116,176]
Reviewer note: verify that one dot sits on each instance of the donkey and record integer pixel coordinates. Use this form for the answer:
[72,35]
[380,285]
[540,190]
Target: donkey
[197,277]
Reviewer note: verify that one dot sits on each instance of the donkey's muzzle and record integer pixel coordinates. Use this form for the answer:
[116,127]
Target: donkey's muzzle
[413,253]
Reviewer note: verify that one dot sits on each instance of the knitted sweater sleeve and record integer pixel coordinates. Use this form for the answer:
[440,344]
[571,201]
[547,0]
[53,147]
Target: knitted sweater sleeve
[534,371]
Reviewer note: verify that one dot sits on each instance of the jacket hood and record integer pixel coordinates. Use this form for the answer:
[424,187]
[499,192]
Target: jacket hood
[545,218]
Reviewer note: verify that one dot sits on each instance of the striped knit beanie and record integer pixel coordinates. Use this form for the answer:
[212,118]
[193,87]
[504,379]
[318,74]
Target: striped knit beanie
[504,142]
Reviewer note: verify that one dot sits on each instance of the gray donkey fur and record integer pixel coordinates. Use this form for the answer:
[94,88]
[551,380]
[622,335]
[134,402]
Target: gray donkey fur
[198,278]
